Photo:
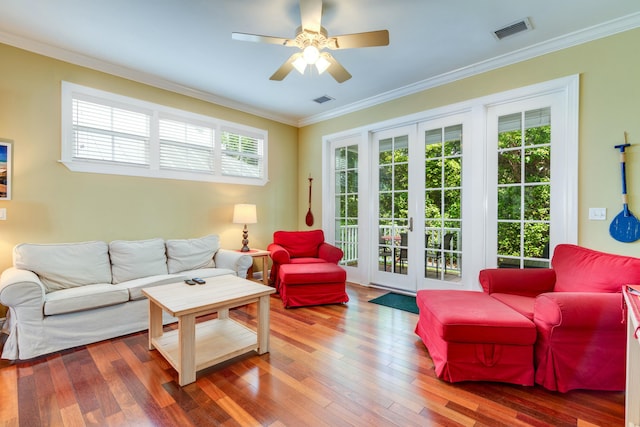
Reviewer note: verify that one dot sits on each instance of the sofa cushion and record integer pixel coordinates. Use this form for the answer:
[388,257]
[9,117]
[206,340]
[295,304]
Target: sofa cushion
[133,259]
[83,298]
[581,269]
[135,286]
[65,265]
[190,254]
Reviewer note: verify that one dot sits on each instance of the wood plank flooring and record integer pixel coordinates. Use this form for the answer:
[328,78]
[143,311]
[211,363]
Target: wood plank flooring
[358,364]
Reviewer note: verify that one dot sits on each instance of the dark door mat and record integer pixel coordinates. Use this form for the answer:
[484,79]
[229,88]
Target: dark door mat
[399,301]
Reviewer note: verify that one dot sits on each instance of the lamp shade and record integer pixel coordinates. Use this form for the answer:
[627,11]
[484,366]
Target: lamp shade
[244,214]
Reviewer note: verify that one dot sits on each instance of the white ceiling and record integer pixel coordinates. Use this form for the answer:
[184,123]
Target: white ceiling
[186,45]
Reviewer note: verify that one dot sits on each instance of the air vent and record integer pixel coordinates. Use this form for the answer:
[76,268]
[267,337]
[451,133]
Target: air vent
[323,99]
[515,28]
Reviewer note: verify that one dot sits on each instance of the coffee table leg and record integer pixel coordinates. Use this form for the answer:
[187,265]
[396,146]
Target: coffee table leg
[187,349]
[263,324]
[155,322]
[265,270]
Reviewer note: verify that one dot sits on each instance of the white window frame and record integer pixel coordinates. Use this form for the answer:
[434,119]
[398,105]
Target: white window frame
[70,90]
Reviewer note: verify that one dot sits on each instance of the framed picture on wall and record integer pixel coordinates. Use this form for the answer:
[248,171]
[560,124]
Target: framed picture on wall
[5,170]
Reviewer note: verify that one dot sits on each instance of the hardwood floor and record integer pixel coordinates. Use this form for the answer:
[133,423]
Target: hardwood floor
[358,364]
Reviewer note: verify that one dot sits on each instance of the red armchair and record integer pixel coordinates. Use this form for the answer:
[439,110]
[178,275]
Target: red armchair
[300,247]
[577,309]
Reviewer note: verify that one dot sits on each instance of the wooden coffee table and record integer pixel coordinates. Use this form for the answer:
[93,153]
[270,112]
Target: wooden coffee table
[192,346]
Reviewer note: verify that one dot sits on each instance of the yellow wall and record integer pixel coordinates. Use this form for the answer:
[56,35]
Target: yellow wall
[52,204]
[609,104]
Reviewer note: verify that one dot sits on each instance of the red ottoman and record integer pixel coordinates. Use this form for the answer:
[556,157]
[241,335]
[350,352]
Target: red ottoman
[312,284]
[473,337]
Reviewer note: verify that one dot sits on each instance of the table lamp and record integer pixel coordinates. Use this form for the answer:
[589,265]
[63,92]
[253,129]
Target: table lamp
[244,214]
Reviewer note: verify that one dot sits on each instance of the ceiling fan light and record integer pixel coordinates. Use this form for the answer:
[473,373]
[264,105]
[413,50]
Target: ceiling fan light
[300,64]
[311,54]
[322,64]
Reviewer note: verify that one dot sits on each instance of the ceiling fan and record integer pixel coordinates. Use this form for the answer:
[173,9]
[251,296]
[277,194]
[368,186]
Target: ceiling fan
[312,38]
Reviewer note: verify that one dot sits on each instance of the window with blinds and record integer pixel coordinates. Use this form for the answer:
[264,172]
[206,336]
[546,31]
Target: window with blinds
[109,133]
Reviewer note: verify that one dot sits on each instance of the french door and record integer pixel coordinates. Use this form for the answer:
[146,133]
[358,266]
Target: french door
[484,183]
[395,207]
[418,207]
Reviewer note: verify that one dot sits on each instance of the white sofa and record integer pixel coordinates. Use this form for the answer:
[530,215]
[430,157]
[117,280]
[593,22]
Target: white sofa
[65,295]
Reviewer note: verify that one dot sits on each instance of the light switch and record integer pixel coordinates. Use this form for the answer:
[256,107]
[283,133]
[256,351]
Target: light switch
[598,214]
[3,214]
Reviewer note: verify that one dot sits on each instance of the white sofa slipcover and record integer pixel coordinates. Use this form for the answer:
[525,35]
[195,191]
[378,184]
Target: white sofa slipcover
[70,294]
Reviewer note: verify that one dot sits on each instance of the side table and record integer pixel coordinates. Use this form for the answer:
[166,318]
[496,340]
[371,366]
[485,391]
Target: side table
[260,253]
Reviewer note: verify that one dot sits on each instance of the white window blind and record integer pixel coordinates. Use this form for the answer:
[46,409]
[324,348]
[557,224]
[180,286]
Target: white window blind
[241,155]
[185,146]
[104,132]
[112,134]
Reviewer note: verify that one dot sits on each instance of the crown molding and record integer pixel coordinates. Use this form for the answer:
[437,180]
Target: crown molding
[599,31]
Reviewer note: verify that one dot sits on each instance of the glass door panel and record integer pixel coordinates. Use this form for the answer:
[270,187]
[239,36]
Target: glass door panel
[394,261]
[346,203]
[443,203]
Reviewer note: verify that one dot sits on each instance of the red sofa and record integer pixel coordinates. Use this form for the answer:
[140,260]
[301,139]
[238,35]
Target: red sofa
[576,307]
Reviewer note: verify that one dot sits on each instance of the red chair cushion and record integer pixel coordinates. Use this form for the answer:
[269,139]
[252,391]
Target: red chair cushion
[303,274]
[300,243]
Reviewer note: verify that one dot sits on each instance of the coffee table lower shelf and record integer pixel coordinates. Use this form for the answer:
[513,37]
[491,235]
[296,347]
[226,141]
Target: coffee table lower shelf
[216,340]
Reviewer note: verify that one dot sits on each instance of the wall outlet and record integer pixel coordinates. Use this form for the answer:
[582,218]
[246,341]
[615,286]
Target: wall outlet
[598,214]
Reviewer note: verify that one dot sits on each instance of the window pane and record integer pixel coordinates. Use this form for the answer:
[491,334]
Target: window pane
[510,131]
[537,202]
[537,164]
[536,240]
[453,172]
[386,173]
[452,203]
[509,238]
[352,181]
[509,167]
[509,203]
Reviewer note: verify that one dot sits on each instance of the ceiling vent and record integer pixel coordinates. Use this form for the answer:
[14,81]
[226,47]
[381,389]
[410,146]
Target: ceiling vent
[323,99]
[512,29]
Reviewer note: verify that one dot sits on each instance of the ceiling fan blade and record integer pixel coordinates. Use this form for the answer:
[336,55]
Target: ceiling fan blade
[368,39]
[245,37]
[335,69]
[311,15]
[285,68]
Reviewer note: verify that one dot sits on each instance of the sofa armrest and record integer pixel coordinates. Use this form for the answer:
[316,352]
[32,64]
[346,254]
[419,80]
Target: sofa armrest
[581,310]
[21,289]
[526,282]
[278,254]
[233,260]
[330,253]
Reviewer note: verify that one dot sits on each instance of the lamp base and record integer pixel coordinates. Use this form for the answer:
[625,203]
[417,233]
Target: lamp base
[245,240]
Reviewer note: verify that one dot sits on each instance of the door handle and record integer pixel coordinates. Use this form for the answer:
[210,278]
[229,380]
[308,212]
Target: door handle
[411,224]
